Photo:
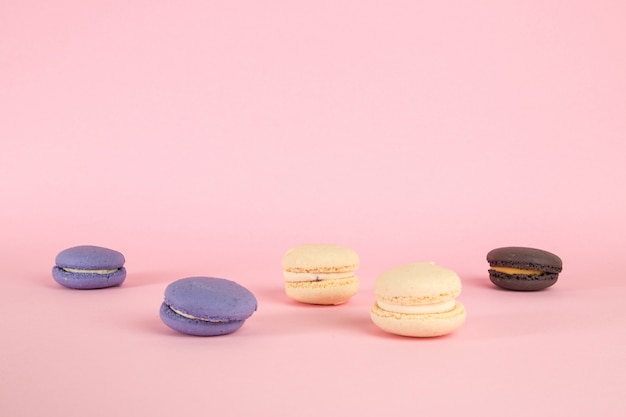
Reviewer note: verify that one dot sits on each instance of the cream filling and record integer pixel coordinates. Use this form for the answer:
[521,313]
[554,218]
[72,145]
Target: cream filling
[421,309]
[513,271]
[189,316]
[311,276]
[90,271]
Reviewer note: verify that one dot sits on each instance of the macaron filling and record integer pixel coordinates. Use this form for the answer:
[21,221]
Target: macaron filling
[315,276]
[189,316]
[91,271]
[418,309]
[515,271]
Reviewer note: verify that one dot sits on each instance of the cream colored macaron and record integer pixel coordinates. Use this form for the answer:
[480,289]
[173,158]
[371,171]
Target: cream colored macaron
[418,300]
[321,274]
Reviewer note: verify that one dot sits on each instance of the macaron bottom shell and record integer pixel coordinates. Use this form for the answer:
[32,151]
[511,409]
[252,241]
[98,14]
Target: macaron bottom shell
[88,281]
[323,292]
[520,282]
[419,325]
[197,327]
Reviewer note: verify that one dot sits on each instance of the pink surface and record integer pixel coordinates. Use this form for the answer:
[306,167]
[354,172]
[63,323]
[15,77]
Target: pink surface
[206,138]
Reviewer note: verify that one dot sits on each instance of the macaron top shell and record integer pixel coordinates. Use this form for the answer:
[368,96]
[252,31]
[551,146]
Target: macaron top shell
[210,299]
[88,257]
[417,283]
[525,258]
[320,258]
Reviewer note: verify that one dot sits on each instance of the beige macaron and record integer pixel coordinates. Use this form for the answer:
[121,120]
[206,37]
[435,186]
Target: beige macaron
[320,273]
[418,300]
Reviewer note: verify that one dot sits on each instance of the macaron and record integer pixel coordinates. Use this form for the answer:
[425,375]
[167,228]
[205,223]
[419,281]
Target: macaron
[205,306]
[89,267]
[418,300]
[523,269]
[320,273]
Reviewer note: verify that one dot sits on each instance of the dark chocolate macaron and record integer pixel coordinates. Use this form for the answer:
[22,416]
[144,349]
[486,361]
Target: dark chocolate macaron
[523,269]
[89,267]
[203,306]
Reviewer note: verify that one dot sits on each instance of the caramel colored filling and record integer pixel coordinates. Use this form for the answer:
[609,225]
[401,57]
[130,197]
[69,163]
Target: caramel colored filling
[514,271]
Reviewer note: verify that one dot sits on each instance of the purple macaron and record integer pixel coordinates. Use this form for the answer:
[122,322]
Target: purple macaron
[203,306]
[89,267]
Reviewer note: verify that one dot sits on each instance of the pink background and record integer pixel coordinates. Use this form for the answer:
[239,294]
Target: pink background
[207,138]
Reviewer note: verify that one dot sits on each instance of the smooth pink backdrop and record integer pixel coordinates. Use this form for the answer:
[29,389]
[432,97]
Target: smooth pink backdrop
[206,138]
